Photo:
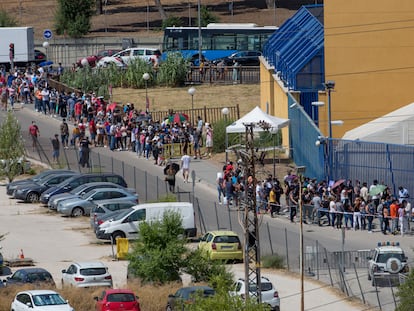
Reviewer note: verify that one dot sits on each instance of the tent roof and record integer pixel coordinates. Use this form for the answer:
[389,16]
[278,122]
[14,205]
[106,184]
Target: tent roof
[257,115]
[396,127]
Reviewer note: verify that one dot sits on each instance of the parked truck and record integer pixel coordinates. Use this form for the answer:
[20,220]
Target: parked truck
[16,46]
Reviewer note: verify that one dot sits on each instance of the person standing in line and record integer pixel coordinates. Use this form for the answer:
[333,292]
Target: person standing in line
[64,133]
[196,144]
[45,100]
[185,165]
[84,151]
[56,149]
[34,134]
[235,75]
[402,194]
[209,139]
[293,199]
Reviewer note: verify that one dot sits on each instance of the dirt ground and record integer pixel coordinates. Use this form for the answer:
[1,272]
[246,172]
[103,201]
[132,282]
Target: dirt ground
[128,18]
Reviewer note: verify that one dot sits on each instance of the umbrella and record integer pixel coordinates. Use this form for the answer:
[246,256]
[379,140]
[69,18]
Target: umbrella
[338,183]
[174,166]
[375,190]
[178,118]
[111,106]
[46,63]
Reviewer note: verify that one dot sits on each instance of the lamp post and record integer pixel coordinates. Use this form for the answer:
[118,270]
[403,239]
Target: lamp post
[146,77]
[329,86]
[192,91]
[316,105]
[85,64]
[301,171]
[225,111]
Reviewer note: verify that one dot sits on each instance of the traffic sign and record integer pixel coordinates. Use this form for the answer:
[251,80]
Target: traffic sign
[47,34]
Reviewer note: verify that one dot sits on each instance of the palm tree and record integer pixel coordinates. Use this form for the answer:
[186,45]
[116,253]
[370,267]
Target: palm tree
[161,9]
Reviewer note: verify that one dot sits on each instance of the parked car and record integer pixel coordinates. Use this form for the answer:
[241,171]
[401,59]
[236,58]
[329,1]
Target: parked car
[82,179]
[244,58]
[39,300]
[187,295]
[270,295]
[108,207]
[32,192]
[130,54]
[93,59]
[78,191]
[39,57]
[117,300]
[14,184]
[83,205]
[107,217]
[32,276]
[87,274]
[221,245]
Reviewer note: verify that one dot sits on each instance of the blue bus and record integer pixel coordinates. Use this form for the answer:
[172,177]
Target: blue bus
[218,40]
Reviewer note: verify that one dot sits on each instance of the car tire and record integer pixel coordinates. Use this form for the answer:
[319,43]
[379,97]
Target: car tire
[77,211]
[33,197]
[117,235]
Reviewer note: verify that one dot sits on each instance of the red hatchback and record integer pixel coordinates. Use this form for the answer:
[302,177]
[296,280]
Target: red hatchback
[117,300]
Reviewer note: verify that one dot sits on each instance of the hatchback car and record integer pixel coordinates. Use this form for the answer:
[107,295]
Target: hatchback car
[117,300]
[87,274]
[108,207]
[82,179]
[93,59]
[270,295]
[187,295]
[39,300]
[14,184]
[221,245]
[128,55]
[32,192]
[243,58]
[83,205]
[30,275]
[78,191]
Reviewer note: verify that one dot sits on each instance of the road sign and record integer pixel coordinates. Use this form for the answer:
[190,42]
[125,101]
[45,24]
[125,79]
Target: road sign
[47,34]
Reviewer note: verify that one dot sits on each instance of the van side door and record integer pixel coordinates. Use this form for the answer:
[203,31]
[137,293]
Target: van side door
[132,223]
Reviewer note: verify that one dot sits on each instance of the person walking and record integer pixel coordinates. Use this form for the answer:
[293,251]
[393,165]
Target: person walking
[84,144]
[209,139]
[170,178]
[185,166]
[64,133]
[56,149]
[34,134]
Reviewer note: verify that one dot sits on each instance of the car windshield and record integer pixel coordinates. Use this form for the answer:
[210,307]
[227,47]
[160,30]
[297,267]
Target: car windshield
[48,300]
[121,297]
[88,194]
[266,286]
[123,214]
[383,258]
[38,277]
[93,271]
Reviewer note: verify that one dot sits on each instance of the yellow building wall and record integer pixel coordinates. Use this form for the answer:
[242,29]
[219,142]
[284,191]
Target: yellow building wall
[369,53]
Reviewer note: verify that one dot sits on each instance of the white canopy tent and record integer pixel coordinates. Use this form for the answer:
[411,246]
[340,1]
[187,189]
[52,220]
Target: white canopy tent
[257,115]
[396,127]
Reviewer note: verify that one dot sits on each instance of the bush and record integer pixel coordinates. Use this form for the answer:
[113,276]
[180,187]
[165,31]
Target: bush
[219,137]
[274,261]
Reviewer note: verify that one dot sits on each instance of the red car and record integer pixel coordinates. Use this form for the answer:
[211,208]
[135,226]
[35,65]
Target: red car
[117,300]
[93,59]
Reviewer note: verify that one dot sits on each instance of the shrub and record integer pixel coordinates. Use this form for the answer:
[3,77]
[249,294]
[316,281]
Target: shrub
[219,137]
[274,261]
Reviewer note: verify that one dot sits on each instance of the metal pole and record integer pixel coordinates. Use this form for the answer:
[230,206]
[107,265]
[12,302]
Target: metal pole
[192,110]
[200,39]
[343,249]
[302,273]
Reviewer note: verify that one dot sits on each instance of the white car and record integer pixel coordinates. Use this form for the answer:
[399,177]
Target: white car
[130,54]
[39,300]
[270,295]
[87,274]
[387,263]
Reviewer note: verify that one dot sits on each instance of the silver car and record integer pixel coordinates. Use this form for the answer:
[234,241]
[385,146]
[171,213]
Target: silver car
[108,207]
[83,205]
[86,274]
[82,189]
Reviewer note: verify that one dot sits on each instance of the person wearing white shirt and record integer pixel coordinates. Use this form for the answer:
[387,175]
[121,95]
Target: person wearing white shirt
[185,166]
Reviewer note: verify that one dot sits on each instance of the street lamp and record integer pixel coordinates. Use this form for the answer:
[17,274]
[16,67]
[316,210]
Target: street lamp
[85,64]
[317,105]
[146,77]
[329,86]
[301,171]
[192,91]
[225,111]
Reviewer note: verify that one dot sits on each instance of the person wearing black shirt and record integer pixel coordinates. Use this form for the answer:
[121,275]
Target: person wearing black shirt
[84,151]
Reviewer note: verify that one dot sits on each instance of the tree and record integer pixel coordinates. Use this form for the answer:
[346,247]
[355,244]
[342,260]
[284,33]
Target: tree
[160,9]
[405,292]
[74,17]
[6,20]
[158,253]
[11,147]
[207,16]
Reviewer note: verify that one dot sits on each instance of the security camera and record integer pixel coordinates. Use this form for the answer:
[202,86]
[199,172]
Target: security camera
[330,84]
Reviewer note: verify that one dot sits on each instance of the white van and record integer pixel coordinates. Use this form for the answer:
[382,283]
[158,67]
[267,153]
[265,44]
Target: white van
[126,224]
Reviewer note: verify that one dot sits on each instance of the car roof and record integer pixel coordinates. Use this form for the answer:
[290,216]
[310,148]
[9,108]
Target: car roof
[196,288]
[37,292]
[170,204]
[90,264]
[112,201]
[390,248]
[31,270]
[97,183]
[222,232]
[108,189]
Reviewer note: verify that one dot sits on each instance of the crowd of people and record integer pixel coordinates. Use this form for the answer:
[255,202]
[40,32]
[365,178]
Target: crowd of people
[342,204]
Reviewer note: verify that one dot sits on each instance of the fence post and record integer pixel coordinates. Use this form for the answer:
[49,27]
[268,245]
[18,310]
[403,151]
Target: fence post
[329,268]
[270,238]
[158,188]
[135,178]
[123,168]
[287,250]
[231,227]
[376,291]
[146,187]
[317,260]
[99,162]
[217,218]
[359,284]
[392,292]
[112,165]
